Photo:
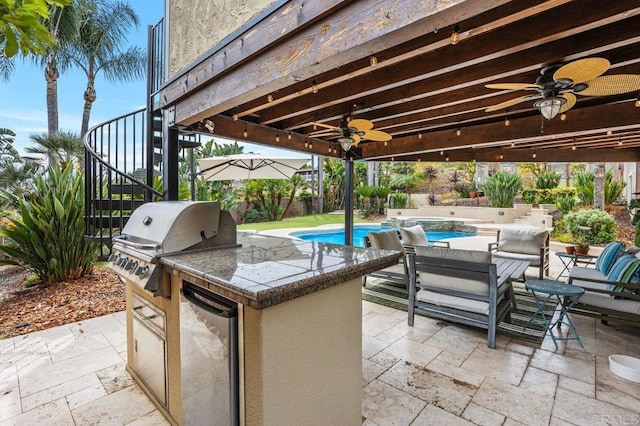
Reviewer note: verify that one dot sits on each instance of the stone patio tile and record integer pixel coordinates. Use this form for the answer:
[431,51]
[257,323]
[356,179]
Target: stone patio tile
[497,363]
[6,345]
[481,416]
[121,407]
[371,370]
[434,388]
[29,402]
[386,405]
[86,395]
[69,346]
[521,347]
[519,404]
[8,378]
[416,353]
[373,324]
[577,386]
[456,373]
[579,409]
[614,389]
[154,418]
[370,307]
[10,403]
[432,415]
[103,324]
[372,345]
[539,381]
[564,366]
[115,378]
[36,380]
[54,413]
[558,422]
[384,359]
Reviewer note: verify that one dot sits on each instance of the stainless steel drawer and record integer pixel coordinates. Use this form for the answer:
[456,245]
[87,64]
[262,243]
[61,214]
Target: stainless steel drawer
[149,314]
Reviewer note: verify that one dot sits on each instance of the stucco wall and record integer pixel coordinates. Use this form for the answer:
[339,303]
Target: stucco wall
[195,26]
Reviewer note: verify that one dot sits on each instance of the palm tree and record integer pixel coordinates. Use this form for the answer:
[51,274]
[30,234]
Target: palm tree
[62,148]
[102,28]
[6,141]
[16,175]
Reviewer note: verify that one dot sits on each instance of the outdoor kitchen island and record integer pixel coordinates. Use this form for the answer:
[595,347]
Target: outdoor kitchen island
[299,325]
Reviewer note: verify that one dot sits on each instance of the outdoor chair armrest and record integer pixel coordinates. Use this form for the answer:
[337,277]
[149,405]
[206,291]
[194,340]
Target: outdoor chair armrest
[444,244]
[493,246]
[411,249]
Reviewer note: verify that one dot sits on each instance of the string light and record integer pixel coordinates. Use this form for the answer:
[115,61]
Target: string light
[441,152]
[619,141]
[235,117]
[637,104]
[563,116]
[373,60]
[306,144]
[270,98]
[386,143]
[573,148]
[315,127]
[513,144]
[609,132]
[534,155]
[474,161]
[393,159]
[419,135]
[446,158]
[459,131]
[277,137]
[501,156]
[314,87]
[455,34]
[419,159]
[245,132]
[289,135]
[506,120]
[310,145]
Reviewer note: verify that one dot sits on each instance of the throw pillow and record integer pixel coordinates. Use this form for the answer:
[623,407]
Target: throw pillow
[610,253]
[386,240]
[413,236]
[625,270]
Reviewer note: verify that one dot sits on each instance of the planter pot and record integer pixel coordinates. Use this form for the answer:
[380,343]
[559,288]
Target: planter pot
[582,250]
[473,194]
[570,249]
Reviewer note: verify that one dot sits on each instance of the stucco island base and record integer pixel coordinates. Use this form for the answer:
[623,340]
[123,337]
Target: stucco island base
[303,359]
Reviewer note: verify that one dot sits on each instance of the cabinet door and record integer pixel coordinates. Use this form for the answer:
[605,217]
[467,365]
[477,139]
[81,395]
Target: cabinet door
[149,360]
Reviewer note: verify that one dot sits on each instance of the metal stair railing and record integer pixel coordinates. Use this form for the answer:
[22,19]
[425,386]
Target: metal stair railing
[116,180]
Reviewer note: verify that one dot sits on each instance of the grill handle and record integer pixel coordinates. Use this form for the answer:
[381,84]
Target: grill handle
[122,239]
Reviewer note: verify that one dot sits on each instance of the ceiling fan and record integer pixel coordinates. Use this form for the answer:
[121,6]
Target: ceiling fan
[557,86]
[351,133]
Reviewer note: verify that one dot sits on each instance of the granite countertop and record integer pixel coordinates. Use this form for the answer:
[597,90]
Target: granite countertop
[266,271]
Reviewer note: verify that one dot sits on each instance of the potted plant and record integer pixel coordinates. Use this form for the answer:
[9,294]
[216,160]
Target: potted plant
[473,190]
[581,241]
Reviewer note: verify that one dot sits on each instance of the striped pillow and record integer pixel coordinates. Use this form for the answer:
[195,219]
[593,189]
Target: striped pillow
[625,270]
[610,253]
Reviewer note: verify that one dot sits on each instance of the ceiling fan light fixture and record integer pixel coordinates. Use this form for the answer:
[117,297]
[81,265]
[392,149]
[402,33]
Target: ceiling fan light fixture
[373,60]
[455,34]
[550,107]
[345,143]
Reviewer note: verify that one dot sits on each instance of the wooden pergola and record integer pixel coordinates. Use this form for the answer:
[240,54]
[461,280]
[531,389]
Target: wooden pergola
[392,62]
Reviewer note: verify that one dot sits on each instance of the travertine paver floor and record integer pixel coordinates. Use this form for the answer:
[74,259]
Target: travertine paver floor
[428,374]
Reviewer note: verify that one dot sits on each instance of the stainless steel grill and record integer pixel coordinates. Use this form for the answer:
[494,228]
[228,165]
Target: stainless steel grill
[162,228]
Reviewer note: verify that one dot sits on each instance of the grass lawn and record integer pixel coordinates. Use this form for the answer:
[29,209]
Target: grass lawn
[300,222]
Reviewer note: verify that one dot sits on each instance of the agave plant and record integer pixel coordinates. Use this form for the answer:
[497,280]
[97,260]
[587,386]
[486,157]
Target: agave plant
[48,237]
[501,188]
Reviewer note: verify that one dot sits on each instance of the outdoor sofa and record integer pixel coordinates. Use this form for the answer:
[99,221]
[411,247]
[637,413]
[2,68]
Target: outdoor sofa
[612,288]
[460,286]
[527,243]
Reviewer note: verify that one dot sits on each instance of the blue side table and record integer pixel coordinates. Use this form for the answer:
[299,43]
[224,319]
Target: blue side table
[559,291]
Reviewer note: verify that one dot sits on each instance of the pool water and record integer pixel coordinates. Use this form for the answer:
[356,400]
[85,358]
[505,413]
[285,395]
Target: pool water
[336,236]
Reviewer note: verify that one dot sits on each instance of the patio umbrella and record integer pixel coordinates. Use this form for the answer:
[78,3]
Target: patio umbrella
[250,166]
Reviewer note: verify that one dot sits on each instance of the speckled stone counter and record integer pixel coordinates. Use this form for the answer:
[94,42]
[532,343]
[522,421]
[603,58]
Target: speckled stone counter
[266,271]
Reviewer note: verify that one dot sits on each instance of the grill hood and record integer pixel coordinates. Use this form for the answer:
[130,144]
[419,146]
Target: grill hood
[172,226]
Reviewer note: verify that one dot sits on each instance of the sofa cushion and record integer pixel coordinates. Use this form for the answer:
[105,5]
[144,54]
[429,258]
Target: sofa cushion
[528,240]
[602,300]
[386,240]
[610,253]
[414,236]
[625,270]
[534,260]
[477,287]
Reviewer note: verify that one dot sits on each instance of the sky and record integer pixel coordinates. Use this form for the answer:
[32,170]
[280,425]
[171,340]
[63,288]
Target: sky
[23,107]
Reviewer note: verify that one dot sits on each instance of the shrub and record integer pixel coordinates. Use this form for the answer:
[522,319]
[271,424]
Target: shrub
[48,237]
[398,201]
[602,224]
[566,203]
[501,188]
[254,216]
[584,186]
[548,180]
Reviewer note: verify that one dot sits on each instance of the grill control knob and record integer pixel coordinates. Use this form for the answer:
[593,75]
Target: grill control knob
[122,261]
[142,271]
[131,266]
[113,257]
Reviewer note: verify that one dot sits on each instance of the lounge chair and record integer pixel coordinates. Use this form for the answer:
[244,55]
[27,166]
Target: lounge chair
[527,243]
[398,274]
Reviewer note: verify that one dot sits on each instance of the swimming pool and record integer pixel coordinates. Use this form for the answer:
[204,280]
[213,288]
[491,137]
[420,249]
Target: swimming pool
[336,236]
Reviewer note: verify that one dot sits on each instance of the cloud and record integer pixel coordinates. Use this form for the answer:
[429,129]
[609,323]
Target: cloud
[33,116]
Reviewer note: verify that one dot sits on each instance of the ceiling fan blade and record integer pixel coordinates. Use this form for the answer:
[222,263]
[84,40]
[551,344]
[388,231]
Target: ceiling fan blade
[376,135]
[356,139]
[511,86]
[361,124]
[582,70]
[571,101]
[612,85]
[507,104]
[326,126]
